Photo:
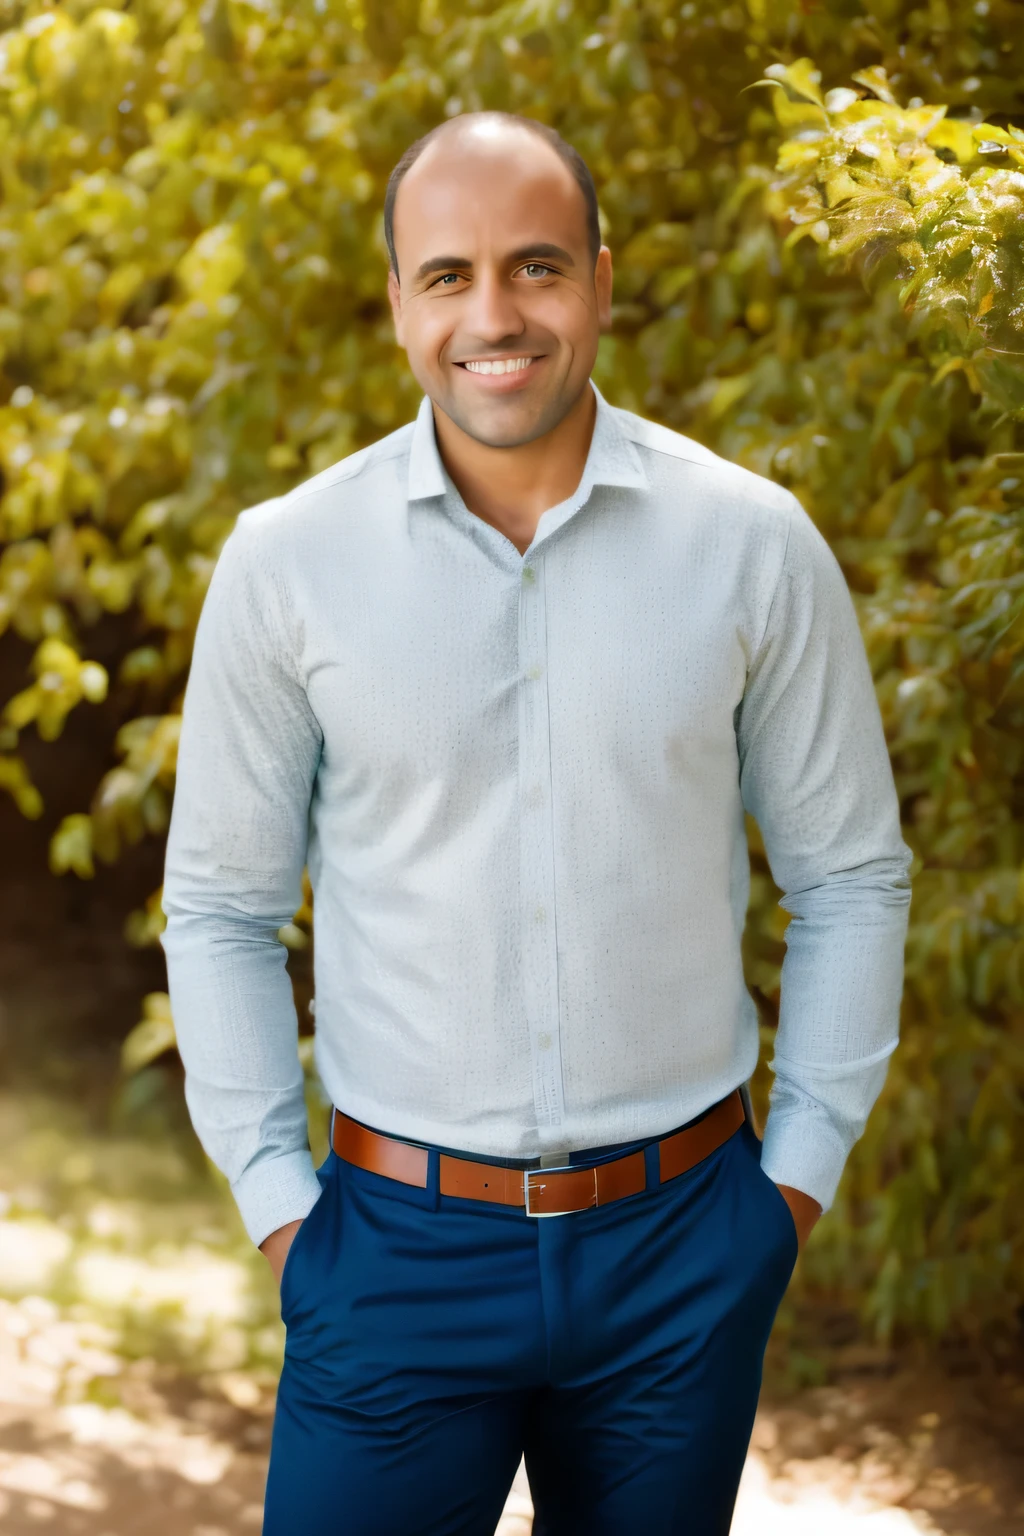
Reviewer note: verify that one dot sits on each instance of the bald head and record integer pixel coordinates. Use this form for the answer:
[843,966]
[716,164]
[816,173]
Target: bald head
[494,134]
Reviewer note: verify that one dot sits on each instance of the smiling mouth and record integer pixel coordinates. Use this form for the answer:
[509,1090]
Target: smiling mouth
[497,364]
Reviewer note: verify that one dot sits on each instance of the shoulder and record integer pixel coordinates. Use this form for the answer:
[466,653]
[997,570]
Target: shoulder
[673,459]
[358,480]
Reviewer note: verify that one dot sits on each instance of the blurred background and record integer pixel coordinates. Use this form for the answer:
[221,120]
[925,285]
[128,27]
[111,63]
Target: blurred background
[816,211]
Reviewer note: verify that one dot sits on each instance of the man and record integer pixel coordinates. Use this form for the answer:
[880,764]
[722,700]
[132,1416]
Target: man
[509,680]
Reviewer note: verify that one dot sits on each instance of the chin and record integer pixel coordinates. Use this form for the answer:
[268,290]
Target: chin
[506,429]
[493,437]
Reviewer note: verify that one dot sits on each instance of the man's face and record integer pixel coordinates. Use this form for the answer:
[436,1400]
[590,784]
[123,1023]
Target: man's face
[498,303]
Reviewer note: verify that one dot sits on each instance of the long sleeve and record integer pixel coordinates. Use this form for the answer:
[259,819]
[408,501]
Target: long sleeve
[815,774]
[250,747]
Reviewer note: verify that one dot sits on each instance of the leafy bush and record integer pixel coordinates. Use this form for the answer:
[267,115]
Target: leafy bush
[824,285]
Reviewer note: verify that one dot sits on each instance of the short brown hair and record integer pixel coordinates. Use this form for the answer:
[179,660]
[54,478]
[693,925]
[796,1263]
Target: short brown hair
[570,157]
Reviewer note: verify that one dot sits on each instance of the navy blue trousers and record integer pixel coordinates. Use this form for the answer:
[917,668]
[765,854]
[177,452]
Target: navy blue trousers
[432,1340]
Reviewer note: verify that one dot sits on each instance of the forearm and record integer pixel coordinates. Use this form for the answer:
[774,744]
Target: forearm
[842,980]
[237,1035]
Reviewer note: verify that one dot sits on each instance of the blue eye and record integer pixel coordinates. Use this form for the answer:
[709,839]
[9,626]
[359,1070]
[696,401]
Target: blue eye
[532,268]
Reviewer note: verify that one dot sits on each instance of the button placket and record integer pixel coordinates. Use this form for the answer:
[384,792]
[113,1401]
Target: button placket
[536,849]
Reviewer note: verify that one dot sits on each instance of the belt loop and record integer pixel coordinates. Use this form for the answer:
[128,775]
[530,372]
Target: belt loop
[652,1166]
[434,1178]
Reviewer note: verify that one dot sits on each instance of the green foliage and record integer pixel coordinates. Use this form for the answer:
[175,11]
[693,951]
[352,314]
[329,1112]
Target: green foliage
[818,273]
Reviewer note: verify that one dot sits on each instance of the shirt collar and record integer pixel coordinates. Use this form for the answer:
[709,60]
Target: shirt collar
[612,458]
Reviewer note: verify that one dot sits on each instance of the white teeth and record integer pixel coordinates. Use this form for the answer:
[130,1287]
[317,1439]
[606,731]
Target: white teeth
[499,365]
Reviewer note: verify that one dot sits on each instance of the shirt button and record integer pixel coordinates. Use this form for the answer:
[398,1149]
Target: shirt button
[534,797]
[529,574]
[544,1041]
[540,914]
[534,672]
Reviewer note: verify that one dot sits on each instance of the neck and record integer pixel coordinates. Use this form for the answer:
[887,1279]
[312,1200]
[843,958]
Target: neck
[510,487]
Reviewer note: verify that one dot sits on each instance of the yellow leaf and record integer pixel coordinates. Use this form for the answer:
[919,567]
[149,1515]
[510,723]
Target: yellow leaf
[213,264]
[954,134]
[71,847]
[23,708]
[14,778]
[876,80]
[292,937]
[93,680]
[801,80]
[152,1035]
[283,456]
[728,392]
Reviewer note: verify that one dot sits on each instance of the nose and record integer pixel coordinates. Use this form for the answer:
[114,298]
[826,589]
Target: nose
[492,314]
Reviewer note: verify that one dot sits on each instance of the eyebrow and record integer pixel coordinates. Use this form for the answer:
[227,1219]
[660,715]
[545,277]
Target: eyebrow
[538,252]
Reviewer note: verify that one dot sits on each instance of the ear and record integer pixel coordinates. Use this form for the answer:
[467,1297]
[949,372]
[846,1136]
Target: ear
[603,287]
[395,300]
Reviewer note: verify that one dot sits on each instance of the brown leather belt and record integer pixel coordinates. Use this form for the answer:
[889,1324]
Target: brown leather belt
[541,1191]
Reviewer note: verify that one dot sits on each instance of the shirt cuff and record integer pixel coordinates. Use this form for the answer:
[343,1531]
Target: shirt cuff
[275,1190]
[801,1149]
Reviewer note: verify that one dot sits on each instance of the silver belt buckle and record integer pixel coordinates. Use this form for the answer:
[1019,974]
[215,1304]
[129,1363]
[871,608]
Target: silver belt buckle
[535,1173]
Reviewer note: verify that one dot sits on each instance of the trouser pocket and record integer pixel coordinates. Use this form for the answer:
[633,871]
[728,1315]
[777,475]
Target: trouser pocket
[295,1276]
[775,1205]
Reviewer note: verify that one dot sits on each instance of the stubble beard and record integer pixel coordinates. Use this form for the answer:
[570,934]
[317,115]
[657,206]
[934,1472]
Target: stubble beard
[486,427]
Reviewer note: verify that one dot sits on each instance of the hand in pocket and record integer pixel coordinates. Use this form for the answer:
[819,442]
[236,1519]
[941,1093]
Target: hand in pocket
[804,1210]
[275,1247]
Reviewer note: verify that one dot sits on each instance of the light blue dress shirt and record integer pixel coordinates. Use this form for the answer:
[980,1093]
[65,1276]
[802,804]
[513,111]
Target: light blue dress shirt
[519,782]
